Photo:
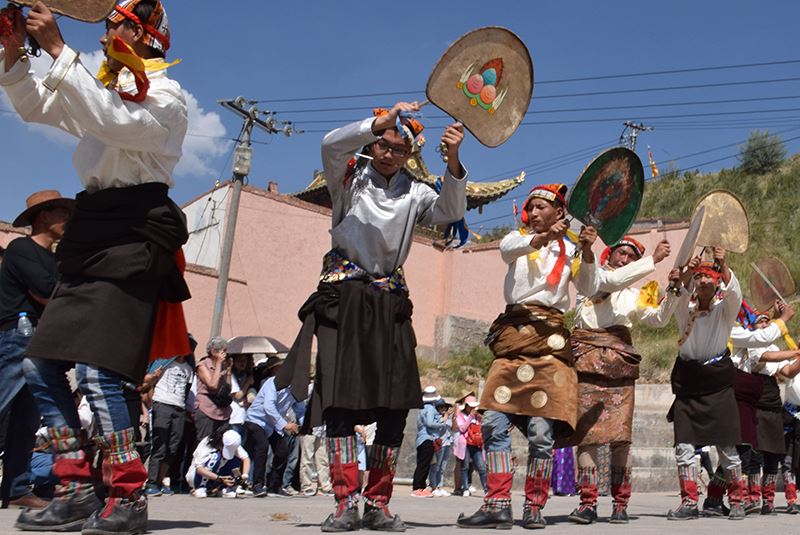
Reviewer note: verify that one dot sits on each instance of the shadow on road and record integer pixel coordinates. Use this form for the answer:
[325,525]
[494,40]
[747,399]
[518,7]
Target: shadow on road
[159,525]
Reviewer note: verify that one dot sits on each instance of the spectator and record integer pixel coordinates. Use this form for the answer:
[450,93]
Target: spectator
[442,446]
[214,461]
[291,477]
[242,391]
[314,460]
[267,426]
[213,399]
[429,427]
[469,426]
[28,276]
[172,378]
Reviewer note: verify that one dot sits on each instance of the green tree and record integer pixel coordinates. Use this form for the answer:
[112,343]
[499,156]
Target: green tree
[495,233]
[763,152]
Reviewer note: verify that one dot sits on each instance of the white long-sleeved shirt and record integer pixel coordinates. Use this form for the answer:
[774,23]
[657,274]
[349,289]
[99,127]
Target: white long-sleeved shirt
[708,330]
[748,346]
[122,143]
[526,279]
[374,217]
[617,304]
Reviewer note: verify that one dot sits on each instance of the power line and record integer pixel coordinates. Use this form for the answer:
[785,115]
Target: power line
[543,82]
[592,119]
[550,160]
[570,110]
[676,171]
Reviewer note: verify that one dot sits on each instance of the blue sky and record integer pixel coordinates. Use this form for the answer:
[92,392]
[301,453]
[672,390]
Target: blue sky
[279,50]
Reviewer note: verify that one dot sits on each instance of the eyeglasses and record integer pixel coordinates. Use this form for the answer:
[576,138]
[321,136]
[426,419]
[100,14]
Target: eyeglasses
[400,152]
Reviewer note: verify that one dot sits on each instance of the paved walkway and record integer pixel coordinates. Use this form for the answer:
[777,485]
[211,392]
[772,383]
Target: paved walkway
[183,515]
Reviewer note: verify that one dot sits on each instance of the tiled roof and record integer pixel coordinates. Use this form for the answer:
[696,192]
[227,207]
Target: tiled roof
[479,194]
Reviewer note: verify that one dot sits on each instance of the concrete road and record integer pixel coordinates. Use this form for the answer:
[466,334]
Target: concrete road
[183,515]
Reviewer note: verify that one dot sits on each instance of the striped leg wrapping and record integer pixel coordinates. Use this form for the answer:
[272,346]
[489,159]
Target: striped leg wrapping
[587,483]
[687,475]
[499,478]
[621,487]
[537,482]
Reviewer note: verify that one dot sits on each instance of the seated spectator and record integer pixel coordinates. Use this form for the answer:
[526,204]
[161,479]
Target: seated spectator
[214,462]
[268,424]
[213,398]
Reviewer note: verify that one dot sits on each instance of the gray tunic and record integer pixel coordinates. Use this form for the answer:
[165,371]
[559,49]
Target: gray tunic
[374,218]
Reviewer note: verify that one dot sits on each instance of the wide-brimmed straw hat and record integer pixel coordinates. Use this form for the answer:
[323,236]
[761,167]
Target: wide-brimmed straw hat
[42,200]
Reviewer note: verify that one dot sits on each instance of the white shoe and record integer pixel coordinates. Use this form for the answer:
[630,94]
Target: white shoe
[472,490]
[443,492]
[437,493]
[229,493]
[199,493]
[243,492]
[466,493]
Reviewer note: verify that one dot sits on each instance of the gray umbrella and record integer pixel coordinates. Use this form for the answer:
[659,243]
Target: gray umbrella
[255,344]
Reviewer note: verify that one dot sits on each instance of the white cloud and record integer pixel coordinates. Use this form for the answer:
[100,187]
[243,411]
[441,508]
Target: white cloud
[202,144]
[200,148]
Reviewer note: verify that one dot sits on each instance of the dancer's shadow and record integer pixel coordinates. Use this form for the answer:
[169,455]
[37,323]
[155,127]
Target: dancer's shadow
[159,525]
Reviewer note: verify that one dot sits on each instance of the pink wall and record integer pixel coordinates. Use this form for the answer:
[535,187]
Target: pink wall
[278,249]
[277,256]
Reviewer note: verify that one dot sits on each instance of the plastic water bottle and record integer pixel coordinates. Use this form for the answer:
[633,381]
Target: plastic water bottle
[24,325]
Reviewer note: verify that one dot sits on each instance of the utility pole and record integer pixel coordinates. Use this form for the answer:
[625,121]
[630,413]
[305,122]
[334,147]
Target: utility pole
[631,132]
[243,157]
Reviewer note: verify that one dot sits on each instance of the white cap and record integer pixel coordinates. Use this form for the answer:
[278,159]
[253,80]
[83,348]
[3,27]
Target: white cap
[429,394]
[231,440]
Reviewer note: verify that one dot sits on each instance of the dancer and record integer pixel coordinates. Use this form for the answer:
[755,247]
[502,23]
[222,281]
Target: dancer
[119,259]
[366,367]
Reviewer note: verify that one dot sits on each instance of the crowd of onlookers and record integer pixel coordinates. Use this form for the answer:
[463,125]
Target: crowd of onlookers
[218,426]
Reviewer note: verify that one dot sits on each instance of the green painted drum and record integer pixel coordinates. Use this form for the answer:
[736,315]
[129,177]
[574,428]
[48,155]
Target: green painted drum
[608,194]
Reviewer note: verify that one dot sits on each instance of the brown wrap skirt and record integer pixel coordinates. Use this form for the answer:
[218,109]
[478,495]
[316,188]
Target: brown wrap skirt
[533,373]
[608,367]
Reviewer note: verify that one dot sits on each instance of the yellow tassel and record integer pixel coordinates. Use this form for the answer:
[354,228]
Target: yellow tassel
[790,343]
[648,295]
[575,267]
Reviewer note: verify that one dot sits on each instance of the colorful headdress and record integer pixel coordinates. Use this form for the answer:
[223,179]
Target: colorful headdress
[627,240]
[548,192]
[408,126]
[156,28]
[707,268]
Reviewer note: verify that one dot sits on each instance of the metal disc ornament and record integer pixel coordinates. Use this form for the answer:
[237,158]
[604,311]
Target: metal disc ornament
[484,80]
[83,10]
[609,193]
[761,295]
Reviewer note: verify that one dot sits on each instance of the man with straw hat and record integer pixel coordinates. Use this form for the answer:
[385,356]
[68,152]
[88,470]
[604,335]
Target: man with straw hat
[27,278]
[118,303]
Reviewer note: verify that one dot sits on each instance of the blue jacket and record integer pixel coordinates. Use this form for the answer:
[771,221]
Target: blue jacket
[270,408]
[429,424]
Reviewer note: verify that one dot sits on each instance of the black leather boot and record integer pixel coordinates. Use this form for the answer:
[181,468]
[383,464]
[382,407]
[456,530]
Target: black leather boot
[126,516]
[66,512]
[379,519]
[502,519]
